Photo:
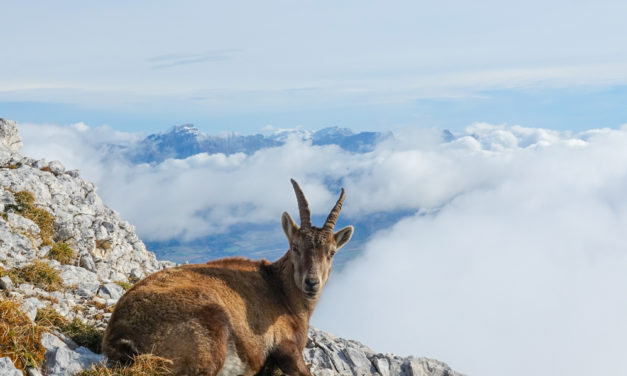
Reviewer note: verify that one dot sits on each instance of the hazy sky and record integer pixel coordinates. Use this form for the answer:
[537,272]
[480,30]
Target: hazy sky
[147,65]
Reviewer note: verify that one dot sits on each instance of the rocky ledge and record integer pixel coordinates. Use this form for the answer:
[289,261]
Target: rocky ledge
[66,258]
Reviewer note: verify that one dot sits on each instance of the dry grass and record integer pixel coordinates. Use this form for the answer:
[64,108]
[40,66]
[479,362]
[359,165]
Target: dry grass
[39,273]
[143,365]
[62,252]
[81,333]
[125,285]
[20,339]
[49,318]
[25,206]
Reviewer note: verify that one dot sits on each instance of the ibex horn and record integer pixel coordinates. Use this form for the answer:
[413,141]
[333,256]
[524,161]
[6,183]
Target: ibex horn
[303,206]
[329,225]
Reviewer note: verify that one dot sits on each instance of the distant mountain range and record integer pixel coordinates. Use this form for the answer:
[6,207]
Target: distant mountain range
[185,140]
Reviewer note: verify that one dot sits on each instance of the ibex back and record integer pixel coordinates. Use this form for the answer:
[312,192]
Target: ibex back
[232,316]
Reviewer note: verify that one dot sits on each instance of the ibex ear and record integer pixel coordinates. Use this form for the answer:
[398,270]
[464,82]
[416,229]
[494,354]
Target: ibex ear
[289,226]
[343,236]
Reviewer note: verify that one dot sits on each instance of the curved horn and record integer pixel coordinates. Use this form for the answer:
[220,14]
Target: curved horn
[303,206]
[329,225]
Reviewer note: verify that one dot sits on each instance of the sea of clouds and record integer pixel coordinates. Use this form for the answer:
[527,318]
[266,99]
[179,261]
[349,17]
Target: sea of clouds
[515,262]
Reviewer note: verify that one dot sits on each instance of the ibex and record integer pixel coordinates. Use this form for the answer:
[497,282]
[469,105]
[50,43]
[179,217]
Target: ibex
[231,316]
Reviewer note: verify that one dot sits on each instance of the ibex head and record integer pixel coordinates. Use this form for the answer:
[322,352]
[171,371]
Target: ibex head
[312,248]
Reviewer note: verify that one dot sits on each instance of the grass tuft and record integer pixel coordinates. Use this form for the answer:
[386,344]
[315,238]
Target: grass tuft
[39,273]
[84,334]
[143,365]
[81,333]
[125,285]
[20,339]
[62,252]
[25,206]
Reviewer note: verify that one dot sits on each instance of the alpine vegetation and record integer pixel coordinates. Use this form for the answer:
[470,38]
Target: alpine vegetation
[232,316]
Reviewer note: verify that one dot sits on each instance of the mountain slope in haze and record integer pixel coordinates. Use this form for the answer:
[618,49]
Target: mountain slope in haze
[185,140]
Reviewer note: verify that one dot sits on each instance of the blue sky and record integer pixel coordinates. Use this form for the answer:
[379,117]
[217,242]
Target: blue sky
[366,65]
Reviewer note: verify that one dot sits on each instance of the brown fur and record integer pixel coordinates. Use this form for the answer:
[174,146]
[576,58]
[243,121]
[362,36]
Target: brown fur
[209,316]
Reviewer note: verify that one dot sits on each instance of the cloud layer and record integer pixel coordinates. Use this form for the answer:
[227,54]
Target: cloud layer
[523,275]
[514,262]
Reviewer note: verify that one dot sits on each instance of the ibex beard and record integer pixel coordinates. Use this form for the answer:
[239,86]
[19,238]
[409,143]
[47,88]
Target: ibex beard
[231,316]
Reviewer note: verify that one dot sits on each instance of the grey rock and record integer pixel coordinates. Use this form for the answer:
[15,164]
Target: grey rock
[111,291]
[33,372]
[9,136]
[6,283]
[63,230]
[30,307]
[74,173]
[99,300]
[22,224]
[87,289]
[40,164]
[329,355]
[27,288]
[56,167]
[61,360]
[75,275]
[6,366]
[43,251]
[87,262]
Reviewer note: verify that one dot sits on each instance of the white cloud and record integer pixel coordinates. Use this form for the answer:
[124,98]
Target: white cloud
[514,263]
[524,275]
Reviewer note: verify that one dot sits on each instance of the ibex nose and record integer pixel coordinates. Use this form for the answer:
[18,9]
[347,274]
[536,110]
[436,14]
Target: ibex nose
[312,283]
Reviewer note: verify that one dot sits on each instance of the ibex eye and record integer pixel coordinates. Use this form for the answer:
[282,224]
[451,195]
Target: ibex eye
[295,249]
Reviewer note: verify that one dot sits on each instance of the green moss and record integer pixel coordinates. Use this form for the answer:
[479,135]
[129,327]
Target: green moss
[62,252]
[39,273]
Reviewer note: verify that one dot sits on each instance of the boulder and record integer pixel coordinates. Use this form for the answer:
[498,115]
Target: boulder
[9,136]
[61,360]
[7,368]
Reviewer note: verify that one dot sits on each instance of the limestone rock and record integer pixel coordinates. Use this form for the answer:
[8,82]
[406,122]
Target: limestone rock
[6,283]
[332,356]
[106,247]
[9,136]
[111,291]
[33,372]
[6,366]
[75,275]
[56,168]
[30,307]
[17,222]
[61,360]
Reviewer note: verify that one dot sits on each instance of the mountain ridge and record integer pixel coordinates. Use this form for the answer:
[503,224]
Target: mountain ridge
[182,141]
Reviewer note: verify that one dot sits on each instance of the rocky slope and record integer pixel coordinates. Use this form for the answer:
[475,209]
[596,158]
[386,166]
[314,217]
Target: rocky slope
[46,210]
